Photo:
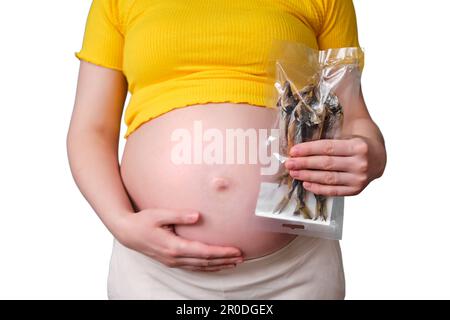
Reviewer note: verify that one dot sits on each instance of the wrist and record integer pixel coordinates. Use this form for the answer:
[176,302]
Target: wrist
[118,225]
[377,154]
[380,160]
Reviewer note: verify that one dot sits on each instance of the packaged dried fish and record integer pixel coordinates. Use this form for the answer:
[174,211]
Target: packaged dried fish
[311,91]
[304,117]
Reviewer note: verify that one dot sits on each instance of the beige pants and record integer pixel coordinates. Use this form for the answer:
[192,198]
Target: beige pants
[306,268]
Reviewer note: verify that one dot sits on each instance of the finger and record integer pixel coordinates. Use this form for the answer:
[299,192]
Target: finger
[195,249]
[217,262]
[209,269]
[331,191]
[326,163]
[330,147]
[167,217]
[324,177]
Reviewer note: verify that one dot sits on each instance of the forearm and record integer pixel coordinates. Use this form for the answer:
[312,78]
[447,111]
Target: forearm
[95,169]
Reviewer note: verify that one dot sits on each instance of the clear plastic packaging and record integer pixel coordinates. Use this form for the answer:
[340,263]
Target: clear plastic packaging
[312,90]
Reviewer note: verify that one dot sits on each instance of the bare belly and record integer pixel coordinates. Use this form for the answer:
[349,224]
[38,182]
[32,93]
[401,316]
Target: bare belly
[225,193]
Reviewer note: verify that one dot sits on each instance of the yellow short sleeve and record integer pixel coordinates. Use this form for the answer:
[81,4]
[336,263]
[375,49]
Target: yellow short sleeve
[103,37]
[339,27]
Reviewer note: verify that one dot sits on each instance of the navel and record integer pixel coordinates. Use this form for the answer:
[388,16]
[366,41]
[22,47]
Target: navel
[220,183]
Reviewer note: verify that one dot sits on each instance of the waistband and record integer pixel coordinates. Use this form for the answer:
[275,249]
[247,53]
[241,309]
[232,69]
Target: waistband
[296,244]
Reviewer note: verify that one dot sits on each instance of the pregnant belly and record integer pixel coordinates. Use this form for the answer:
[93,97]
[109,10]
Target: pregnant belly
[184,160]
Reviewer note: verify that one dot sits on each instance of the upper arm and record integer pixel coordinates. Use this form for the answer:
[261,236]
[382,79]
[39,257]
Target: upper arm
[99,100]
[102,86]
[338,25]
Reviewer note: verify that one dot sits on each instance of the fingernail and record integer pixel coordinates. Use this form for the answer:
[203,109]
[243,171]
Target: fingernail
[192,217]
[306,184]
[293,151]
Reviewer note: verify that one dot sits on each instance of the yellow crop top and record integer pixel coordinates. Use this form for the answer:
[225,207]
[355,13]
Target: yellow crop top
[176,53]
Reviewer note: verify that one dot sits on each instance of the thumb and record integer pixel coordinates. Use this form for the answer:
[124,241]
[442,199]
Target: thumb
[166,217]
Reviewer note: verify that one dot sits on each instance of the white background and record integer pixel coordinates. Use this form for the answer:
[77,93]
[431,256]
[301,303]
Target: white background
[396,233]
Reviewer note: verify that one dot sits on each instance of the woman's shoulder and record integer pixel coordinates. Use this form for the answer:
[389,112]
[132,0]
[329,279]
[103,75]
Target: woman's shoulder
[128,10]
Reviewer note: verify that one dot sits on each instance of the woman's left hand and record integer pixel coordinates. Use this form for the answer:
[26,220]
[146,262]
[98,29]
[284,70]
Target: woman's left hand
[335,167]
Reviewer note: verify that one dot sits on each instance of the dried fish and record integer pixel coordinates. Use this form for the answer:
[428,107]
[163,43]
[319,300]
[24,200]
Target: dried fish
[304,116]
[331,125]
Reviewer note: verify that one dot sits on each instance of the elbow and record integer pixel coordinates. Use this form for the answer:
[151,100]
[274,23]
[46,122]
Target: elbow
[69,139]
[73,136]
[72,147]
[82,139]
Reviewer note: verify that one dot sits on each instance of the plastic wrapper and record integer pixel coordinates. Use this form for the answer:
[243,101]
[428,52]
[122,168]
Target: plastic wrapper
[312,91]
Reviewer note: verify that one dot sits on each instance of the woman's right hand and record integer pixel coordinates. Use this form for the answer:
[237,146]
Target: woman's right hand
[150,232]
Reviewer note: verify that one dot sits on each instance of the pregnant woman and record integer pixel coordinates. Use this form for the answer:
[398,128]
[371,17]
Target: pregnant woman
[185,231]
